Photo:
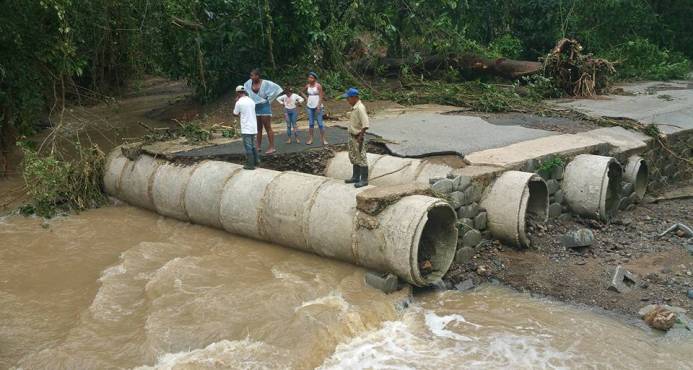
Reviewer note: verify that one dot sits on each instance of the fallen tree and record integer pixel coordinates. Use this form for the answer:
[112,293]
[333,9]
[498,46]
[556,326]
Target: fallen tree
[573,72]
[501,67]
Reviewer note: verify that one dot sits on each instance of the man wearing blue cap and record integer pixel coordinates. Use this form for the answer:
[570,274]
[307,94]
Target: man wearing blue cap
[358,124]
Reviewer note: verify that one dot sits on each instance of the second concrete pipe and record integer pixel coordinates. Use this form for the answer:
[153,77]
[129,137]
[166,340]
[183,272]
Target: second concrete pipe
[306,212]
[592,185]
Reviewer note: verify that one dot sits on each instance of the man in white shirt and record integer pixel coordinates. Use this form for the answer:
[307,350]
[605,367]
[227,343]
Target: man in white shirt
[245,107]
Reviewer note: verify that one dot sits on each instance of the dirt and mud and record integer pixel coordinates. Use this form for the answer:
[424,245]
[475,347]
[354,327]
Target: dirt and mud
[663,265]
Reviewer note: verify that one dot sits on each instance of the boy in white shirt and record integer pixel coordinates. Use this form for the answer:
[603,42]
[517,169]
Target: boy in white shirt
[245,107]
[290,100]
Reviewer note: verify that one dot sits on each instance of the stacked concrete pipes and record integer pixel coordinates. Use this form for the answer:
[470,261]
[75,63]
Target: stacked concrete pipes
[311,213]
[512,198]
[591,185]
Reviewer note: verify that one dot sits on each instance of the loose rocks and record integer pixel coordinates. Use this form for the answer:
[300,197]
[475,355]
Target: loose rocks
[555,210]
[464,255]
[443,186]
[627,188]
[457,199]
[461,183]
[578,238]
[557,197]
[385,282]
[471,238]
[622,280]
[465,285]
[480,221]
[469,211]
[660,318]
[552,186]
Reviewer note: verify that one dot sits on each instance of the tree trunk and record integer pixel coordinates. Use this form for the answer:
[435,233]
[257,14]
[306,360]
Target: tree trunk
[502,67]
[8,143]
[270,41]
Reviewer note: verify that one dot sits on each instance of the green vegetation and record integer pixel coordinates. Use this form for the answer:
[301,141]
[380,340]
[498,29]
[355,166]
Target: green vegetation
[58,52]
[548,165]
[642,59]
[58,185]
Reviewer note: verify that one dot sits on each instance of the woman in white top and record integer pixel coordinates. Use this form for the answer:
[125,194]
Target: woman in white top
[290,100]
[316,96]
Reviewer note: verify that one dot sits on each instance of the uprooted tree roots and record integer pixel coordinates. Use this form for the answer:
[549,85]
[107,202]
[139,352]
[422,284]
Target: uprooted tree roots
[575,73]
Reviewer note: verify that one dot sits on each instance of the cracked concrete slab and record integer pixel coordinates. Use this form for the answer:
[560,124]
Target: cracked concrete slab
[514,156]
[668,105]
[621,139]
[425,134]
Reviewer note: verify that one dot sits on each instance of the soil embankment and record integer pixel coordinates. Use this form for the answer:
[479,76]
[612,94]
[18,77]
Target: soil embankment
[663,265]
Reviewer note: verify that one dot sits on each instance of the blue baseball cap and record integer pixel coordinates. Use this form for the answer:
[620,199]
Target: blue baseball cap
[352,91]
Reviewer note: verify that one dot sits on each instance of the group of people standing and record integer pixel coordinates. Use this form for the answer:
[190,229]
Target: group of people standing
[254,106]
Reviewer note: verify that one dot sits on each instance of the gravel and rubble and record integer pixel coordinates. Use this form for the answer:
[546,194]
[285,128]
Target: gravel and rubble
[662,266]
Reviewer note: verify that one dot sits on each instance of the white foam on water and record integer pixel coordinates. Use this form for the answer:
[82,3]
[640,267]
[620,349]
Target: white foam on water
[114,270]
[423,339]
[225,354]
[285,275]
[334,299]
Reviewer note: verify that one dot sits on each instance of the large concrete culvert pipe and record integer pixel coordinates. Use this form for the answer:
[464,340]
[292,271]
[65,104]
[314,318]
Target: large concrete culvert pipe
[592,185]
[637,173]
[386,170]
[514,197]
[306,212]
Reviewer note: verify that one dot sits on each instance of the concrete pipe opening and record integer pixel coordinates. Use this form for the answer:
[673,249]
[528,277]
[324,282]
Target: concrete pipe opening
[638,174]
[592,185]
[437,244]
[515,198]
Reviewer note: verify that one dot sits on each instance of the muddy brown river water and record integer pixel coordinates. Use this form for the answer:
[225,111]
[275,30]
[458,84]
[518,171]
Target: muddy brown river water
[120,287]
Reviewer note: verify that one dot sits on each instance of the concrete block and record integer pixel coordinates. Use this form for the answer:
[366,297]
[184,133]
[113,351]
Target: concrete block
[464,255]
[480,221]
[386,282]
[443,186]
[469,211]
[374,200]
[578,238]
[471,238]
[555,210]
[461,183]
[553,186]
[622,280]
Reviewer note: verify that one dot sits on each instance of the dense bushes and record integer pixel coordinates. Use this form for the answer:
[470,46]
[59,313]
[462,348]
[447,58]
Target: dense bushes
[52,50]
[641,59]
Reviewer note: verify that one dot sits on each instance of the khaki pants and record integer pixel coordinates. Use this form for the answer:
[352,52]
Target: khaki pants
[357,152]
